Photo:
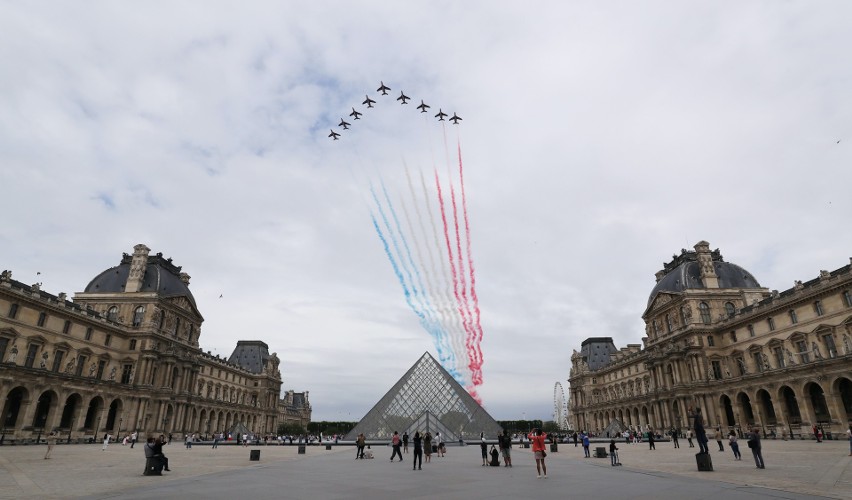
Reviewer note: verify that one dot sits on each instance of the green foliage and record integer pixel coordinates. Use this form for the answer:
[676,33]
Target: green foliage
[520,426]
[288,429]
[330,427]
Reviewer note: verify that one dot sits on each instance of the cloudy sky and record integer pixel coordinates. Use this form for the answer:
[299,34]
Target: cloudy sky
[599,138]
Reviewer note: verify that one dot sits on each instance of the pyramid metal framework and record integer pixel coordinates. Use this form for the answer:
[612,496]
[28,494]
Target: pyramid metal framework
[427,398]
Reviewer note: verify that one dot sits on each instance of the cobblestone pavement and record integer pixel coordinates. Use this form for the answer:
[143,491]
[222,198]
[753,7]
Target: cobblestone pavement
[797,469]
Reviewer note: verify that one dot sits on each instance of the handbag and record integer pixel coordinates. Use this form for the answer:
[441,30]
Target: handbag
[543,453]
[751,443]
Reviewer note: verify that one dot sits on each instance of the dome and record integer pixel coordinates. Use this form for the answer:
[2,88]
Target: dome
[684,272]
[161,276]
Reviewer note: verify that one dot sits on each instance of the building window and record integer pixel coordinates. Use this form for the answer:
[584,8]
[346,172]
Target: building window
[42,319]
[779,357]
[31,355]
[101,368]
[847,298]
[710,341]
[81,363]
[733,336]
[654,328]
[793,317]
[138,314]
[126,370]
[112,314]
[802,346]
[162,319]
[57,361]
[89,333]
[132,344]
[730,310]
[818,308]
[741,368]
[669,323]
[704,309]
[191,333]
[758,362]
[107,339]
[177,327]
[828,340]
[717,370]
[13,311]
[683,316]
[771,323]
[4,343]
[750,329]
[67,327]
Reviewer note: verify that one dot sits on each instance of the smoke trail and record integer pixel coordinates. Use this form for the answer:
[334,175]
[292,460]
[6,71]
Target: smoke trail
[428,271]
[477,367]
[424,321]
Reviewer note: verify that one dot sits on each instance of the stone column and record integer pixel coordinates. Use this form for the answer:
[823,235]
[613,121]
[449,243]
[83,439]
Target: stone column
[834,402]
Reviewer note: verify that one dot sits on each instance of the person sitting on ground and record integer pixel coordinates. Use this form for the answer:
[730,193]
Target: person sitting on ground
[495,457]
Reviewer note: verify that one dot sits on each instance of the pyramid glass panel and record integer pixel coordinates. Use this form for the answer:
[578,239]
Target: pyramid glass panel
[427,398]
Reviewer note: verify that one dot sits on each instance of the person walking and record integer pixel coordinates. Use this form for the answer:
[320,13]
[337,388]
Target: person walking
[537,438]
[405,442]
[506,449]
[483,446]
[651,445]
[427,444]
[106,441]
[360,442]
[689,438]
[613,456]
[575,439]
[735,447]
[440,439]
[51,442]
[133,438]
[418,452]
[396,442]
[586,445]
[849,437]
[754,444]
[215,441]
[718,436]
[674,438]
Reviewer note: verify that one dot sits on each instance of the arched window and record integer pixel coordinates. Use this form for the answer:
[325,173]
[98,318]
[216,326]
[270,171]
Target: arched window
[704,309]
[138,314]
[730,310]
[112,313]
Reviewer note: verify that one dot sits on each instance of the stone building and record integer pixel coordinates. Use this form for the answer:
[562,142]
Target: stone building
[294,408]
[717,340]
[124,355]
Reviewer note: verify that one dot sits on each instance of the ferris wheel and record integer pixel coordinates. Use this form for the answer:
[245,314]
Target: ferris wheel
[560,410]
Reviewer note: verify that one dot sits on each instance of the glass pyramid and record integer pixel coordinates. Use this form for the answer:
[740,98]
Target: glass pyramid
[427,398]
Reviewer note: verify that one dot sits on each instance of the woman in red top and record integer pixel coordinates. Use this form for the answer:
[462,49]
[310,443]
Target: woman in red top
[537,438]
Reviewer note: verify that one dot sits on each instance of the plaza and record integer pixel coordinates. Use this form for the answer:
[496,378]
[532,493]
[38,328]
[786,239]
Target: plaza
[794,469]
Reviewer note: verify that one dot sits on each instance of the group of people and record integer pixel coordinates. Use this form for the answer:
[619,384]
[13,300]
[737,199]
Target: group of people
[504,442]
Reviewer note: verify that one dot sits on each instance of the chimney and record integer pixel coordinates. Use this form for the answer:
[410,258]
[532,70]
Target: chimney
[137,268]
[705,263]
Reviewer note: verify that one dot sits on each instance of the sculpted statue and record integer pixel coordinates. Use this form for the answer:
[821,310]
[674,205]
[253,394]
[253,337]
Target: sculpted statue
[13,354]
[765,359]
[69,368]
[815,348]
[92,369]
[43,364]
[790,360]
[846,344]
[112,374]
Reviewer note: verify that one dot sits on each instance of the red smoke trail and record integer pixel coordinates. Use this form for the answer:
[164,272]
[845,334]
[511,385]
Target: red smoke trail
[455,274]
[476,367]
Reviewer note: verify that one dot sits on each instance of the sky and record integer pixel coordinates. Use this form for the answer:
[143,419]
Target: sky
[598,139]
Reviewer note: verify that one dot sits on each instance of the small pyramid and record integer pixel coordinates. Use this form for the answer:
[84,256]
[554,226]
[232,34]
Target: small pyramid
[427,398]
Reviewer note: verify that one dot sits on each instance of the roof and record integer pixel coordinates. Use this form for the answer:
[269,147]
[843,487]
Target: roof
[161,276]
[250,355]
[684,272]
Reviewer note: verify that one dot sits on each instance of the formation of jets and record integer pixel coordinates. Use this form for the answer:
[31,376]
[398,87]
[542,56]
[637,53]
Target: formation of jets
[403,99]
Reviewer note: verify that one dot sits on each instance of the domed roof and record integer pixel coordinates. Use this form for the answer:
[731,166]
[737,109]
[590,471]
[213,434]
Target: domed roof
[161,276]
[684,272]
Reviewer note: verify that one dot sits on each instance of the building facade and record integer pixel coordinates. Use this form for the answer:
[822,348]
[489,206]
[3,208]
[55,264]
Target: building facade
[294,409]
[717,340]
[124,355]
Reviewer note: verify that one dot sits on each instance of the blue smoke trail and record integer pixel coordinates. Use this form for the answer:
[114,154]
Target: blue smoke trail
[446,357]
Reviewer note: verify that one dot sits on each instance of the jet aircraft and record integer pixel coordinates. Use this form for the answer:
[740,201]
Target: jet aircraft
[423,106]
[355,114]
[369,102]
[383,88]
[344,124]
[455,119]
[404,98]
[440,116]
[334,135]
